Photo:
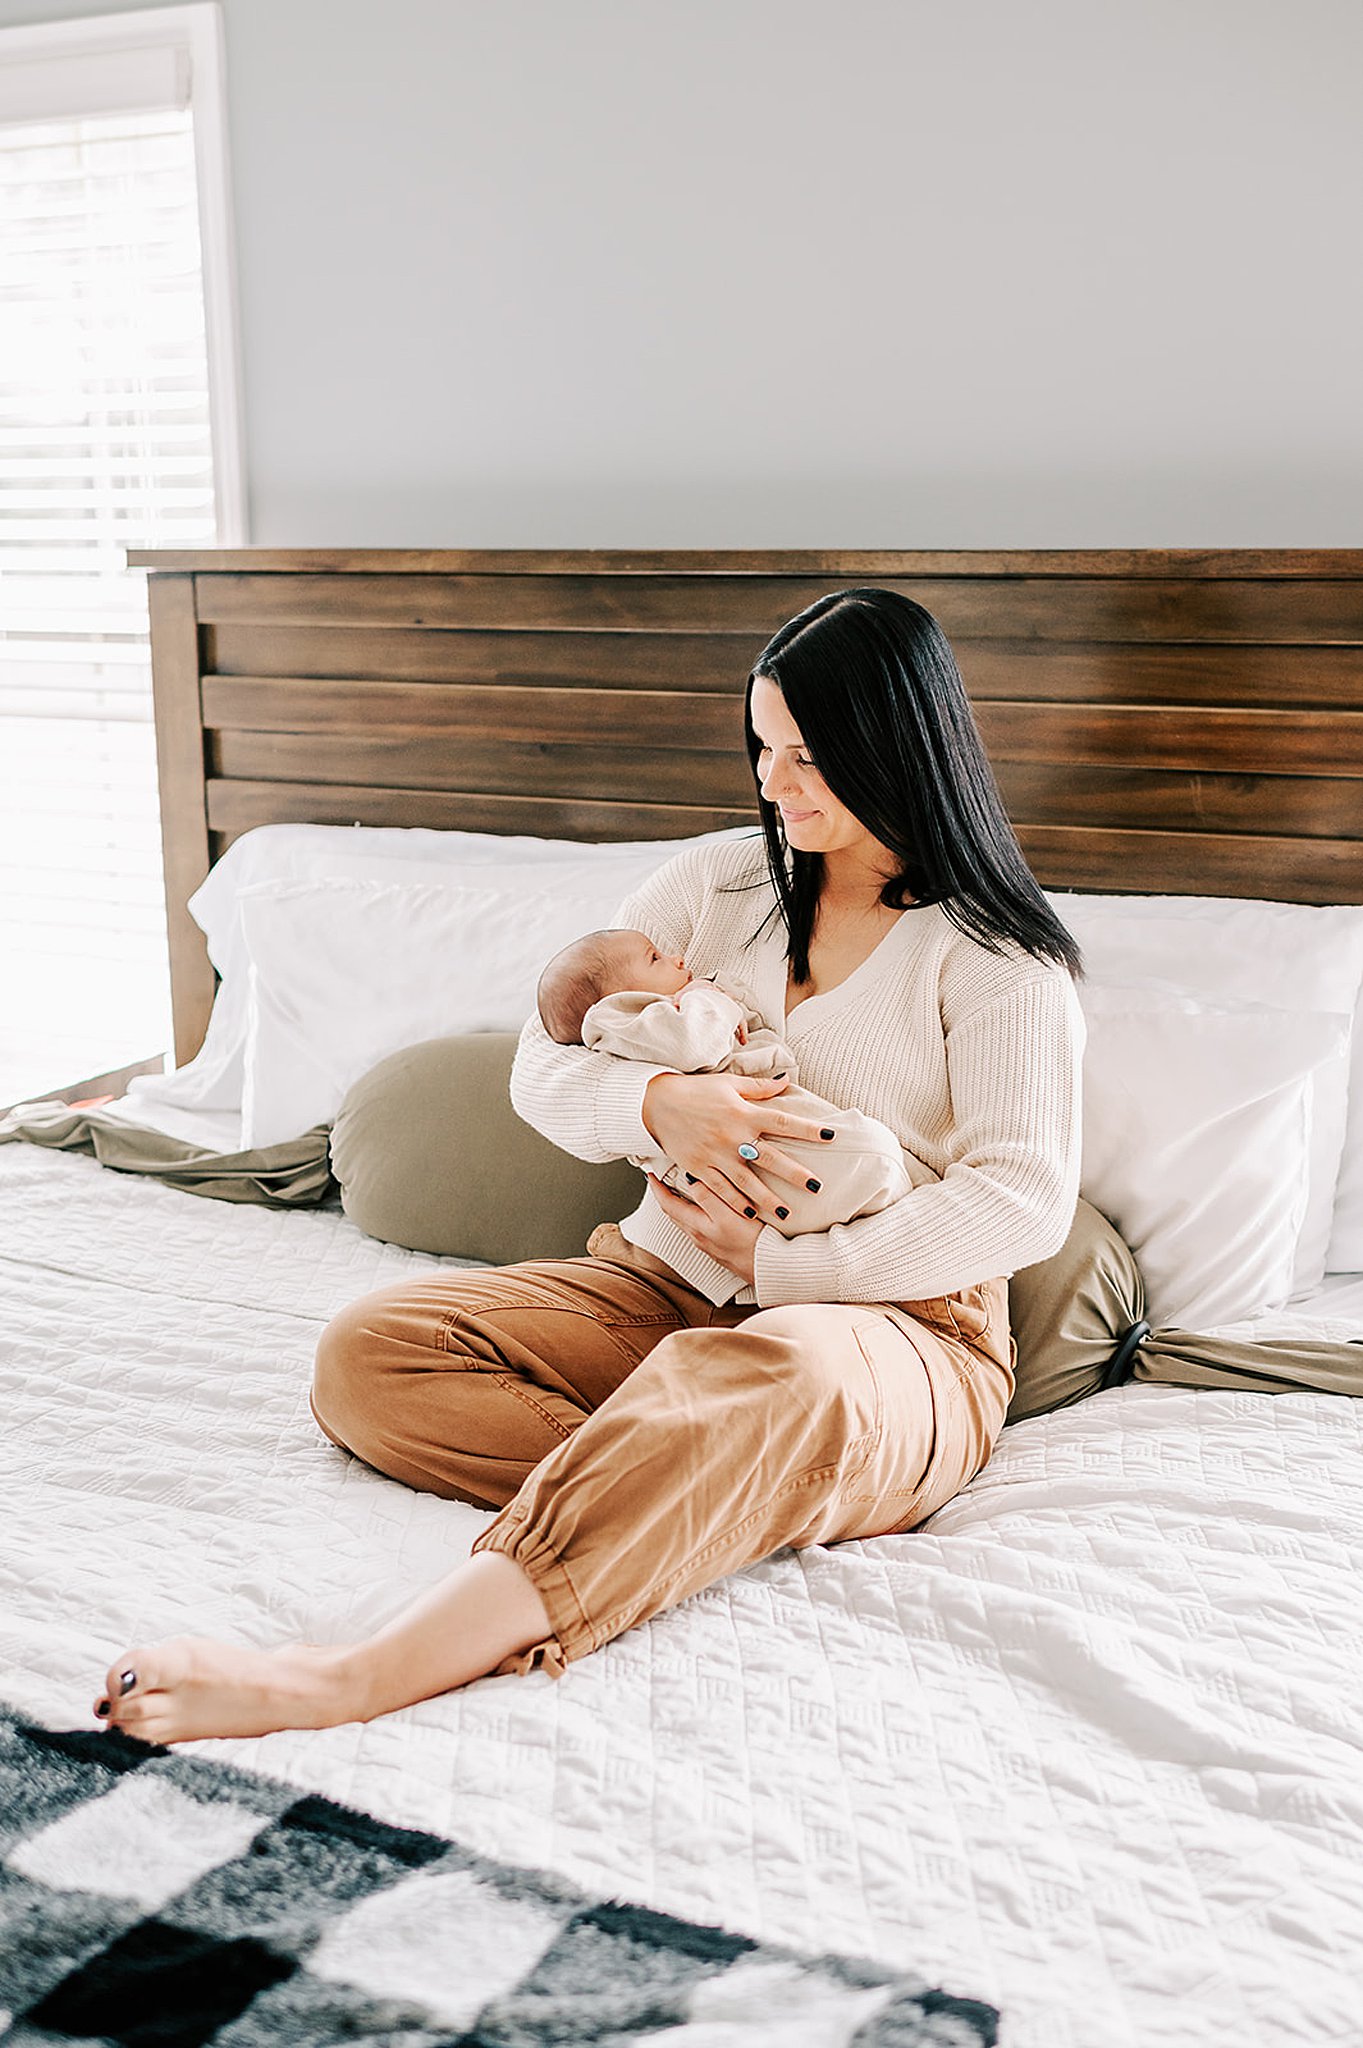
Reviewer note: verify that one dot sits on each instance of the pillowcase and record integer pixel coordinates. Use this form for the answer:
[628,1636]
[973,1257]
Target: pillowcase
[429,1153]
[1345,1251]
[1197,1145]
[1292,957]
[342,973]
[208,1090]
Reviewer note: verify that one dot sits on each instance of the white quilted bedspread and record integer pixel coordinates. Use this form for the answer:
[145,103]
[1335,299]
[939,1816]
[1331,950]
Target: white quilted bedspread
[1088,1745]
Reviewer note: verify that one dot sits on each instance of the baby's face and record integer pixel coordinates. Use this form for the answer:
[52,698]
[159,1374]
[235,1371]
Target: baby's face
[639,964]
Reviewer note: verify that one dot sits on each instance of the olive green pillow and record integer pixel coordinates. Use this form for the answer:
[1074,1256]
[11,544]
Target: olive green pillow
[429,1153]
[1070,1316]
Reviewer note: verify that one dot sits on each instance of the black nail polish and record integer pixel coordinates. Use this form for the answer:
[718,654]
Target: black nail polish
[102,1709]
[750,1212]
[813,1186]
[691,1178]
[783,1213]
[826,1134]
[127,1680]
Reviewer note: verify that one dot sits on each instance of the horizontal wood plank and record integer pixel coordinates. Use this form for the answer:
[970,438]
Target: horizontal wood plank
[1175,736]
[662,719]
[1046,792]
[1030,608]
[484,763]
[1195,863]
[1306,806]
[1143,563]
[235,807]
[1059,793]
[692,661]
[636,661]
[1302,678]
[1126,673]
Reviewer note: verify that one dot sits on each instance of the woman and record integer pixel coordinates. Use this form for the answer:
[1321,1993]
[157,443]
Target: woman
[700,1390]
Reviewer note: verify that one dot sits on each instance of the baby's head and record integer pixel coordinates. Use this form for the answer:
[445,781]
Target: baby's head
[602,964]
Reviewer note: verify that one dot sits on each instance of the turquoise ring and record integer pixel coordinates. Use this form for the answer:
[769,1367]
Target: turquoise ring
[747,1151]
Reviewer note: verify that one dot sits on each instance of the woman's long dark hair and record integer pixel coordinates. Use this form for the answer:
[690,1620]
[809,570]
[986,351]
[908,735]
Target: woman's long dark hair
[872,684]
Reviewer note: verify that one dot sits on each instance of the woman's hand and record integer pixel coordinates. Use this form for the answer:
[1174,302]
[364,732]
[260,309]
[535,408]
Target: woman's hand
[730,1239]
[700,1120]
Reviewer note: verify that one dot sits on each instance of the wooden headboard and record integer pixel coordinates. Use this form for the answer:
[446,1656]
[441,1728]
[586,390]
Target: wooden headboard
[1181,722]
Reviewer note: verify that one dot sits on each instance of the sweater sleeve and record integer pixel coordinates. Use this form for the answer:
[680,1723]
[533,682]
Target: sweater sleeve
[591,1103]
[1007,1197]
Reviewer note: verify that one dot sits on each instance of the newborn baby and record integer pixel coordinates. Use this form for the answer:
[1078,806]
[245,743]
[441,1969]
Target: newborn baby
[613,991]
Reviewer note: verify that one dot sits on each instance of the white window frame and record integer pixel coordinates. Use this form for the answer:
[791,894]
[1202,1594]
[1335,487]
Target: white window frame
[54,70]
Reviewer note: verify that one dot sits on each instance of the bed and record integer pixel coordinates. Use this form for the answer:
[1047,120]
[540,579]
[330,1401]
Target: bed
[1086,1746]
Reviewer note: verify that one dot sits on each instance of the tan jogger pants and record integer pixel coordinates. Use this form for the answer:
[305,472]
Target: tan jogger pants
[640,1442]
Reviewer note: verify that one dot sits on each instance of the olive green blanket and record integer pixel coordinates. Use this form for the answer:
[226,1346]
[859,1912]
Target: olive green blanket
[289,1176]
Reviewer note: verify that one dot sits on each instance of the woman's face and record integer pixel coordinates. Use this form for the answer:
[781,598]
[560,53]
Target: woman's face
[813,819]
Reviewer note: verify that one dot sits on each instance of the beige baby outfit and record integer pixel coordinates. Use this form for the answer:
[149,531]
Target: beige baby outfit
[698,1031]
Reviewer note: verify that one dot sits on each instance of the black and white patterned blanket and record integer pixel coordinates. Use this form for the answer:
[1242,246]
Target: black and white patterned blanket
[153,1900]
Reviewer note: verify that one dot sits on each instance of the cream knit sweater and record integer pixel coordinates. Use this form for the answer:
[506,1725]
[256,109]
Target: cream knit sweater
[971,1057]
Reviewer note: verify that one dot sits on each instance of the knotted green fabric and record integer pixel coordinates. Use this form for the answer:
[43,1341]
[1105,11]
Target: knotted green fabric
[1070,1313]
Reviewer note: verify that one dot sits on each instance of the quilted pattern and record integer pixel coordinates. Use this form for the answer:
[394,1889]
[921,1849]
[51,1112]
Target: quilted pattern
[1088,1744]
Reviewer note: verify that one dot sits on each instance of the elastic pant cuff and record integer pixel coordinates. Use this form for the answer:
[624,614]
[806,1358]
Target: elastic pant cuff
[572,1633]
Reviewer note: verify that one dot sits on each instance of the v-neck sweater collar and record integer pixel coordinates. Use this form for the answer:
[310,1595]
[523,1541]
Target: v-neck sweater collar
[885,957]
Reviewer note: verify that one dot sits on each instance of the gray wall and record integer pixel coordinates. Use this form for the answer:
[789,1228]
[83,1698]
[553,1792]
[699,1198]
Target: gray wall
[777,272]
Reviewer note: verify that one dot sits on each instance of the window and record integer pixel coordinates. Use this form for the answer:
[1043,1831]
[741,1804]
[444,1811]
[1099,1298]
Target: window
[118,429]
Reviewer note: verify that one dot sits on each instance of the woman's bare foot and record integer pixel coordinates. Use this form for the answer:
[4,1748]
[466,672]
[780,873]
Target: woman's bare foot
[190,1687]
[460,1629]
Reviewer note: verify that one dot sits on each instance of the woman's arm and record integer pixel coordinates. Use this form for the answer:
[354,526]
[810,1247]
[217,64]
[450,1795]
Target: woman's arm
[586,1103]
[1007,1198]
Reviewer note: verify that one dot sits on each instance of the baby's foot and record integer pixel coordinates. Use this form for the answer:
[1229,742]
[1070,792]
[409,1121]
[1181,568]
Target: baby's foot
[191,1687]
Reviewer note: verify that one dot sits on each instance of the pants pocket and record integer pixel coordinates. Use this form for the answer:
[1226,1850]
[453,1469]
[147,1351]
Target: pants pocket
[965,1318]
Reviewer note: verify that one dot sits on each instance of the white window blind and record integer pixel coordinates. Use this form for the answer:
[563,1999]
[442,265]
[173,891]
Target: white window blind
[105,444]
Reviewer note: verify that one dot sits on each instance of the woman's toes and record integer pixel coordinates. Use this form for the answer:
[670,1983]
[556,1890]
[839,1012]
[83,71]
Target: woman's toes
[141,1671]
[124,1676]
[140,1718]
[189,1688]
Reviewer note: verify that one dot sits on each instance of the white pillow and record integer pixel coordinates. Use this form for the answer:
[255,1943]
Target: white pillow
[1345,1251]
[1197,1134]
[212,1084]
[289,853]
[344,972]
[1292,957]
